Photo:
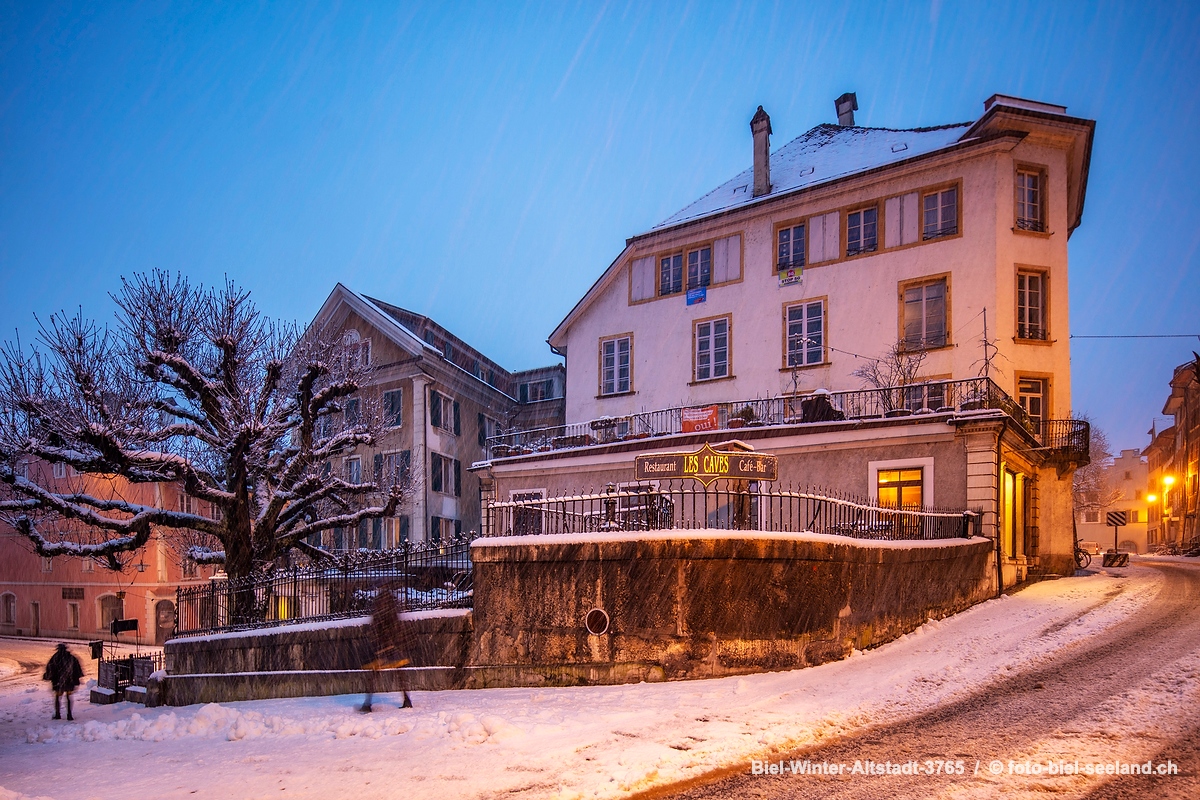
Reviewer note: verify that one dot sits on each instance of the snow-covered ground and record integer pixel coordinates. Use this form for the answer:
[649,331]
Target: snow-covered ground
[576,742]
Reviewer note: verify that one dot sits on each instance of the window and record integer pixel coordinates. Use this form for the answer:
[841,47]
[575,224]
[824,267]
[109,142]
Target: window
[1133,515]
[358,350]
[396,530]
[442,529]
[23,469]
[791,248]
[712,349]
[699,267]
[73,616]
[353,412]
[394,468]
[929,395]
[445,474]
[1137,494]
[1031,306]
[189,568]
[8,609]
[354,470]
[940,213]
[393,401]
[862,229]
[615,365]
[534,391]
[111,608]
[806,334]
[47,564]
[488,428]
[670,274]
[448,351]
[444,413]
[1032,394]
[1029,201]
[900,488]
[1128,475]
[60,469]
[925,315]
[87,565]
[1091,516]
[185,503]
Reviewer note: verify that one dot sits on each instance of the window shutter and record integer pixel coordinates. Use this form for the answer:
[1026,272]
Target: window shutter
[816,240]
[727,259]
[457,478]
[379,469]
[911,214]
[404,523]
[435,529]
[641,278]
[405,464]
[377,534]
[457,528]
[435,409]
[482,431]
[833,231]
[524,393]
[892,221]
[457,420]
[435,472]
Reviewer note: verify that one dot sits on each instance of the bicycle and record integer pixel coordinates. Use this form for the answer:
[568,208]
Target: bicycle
[1083,559]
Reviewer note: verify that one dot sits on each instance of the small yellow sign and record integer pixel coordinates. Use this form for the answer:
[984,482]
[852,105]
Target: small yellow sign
[707,465]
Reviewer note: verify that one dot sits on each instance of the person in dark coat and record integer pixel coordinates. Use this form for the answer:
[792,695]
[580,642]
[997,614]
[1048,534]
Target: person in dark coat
[387,642]
[64,674]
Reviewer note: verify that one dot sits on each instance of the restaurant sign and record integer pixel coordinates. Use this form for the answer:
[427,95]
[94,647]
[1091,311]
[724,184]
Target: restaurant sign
[707,465]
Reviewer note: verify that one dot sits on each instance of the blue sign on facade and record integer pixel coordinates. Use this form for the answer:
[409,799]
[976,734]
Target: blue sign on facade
[697,295]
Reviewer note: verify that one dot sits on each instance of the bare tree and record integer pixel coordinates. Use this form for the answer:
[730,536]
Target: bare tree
[896,368]
[1091,489]
[195,388]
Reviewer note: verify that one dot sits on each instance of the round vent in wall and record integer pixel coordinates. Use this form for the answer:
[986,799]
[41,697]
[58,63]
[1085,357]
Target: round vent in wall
[596,622]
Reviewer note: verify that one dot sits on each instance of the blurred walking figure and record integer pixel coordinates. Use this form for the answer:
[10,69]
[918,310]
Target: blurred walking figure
[387,641]
[64,674]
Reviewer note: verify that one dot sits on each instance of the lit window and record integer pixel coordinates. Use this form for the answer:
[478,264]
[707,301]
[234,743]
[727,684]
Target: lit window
[1029,201]
[615,365]
[1031,305]
[712,349]
[862,229]
[941,213]
[670,274]
[393,401]
[806,334]
[925,315]
[790,253]
[900,488]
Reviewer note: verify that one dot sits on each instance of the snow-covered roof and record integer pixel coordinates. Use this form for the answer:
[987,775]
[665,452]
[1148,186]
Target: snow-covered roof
[824,153]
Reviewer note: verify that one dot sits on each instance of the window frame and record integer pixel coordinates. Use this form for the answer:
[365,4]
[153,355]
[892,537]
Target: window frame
[1046,393]
[1025,271]
[8,608]
[863,249]
[728,320]
[1024,224]
[447,477]
[616,391]
[791,228]
[942,231]
[927,476]
[348,472]
[702,280]
[903,288]
[823,300]
[397,418]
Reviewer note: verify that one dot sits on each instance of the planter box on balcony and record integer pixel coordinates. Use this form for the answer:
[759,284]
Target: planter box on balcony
[580,440]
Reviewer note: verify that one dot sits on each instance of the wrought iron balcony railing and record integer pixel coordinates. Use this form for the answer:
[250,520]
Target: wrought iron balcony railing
[1065,440]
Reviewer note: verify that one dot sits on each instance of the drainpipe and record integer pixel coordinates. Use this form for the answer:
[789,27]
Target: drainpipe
[999,489]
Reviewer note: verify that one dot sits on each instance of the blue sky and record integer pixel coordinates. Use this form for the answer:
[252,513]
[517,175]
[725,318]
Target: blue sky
[483,163]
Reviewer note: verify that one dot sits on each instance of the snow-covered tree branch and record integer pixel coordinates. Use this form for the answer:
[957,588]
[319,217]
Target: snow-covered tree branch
[192,389]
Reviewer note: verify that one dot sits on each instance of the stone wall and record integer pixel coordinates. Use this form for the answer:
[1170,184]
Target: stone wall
[441,638]
[700,604]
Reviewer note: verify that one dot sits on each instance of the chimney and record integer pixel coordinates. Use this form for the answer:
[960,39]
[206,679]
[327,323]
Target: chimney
[846,105]
[760,126]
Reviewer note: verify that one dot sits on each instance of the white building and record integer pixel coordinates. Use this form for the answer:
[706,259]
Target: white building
[947,245]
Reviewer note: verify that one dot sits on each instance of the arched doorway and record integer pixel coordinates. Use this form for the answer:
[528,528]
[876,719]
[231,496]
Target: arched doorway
[164,620]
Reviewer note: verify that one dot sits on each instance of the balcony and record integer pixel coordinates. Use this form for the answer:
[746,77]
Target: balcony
[1063,443]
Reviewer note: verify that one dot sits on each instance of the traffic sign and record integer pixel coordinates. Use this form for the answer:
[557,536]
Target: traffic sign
[1118,518]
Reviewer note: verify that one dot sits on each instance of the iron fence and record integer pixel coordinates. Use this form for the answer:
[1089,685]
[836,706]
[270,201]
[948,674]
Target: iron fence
[424,576]
[682,505]
[921,398]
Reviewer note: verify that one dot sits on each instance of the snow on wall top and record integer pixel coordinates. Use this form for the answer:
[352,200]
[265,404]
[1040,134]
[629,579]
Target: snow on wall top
[824,153]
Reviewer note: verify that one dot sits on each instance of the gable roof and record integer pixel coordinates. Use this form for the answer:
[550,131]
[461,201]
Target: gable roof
[828,153]
[825,153]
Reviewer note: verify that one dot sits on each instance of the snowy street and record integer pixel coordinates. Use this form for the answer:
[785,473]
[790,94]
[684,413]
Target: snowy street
[1099,668]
